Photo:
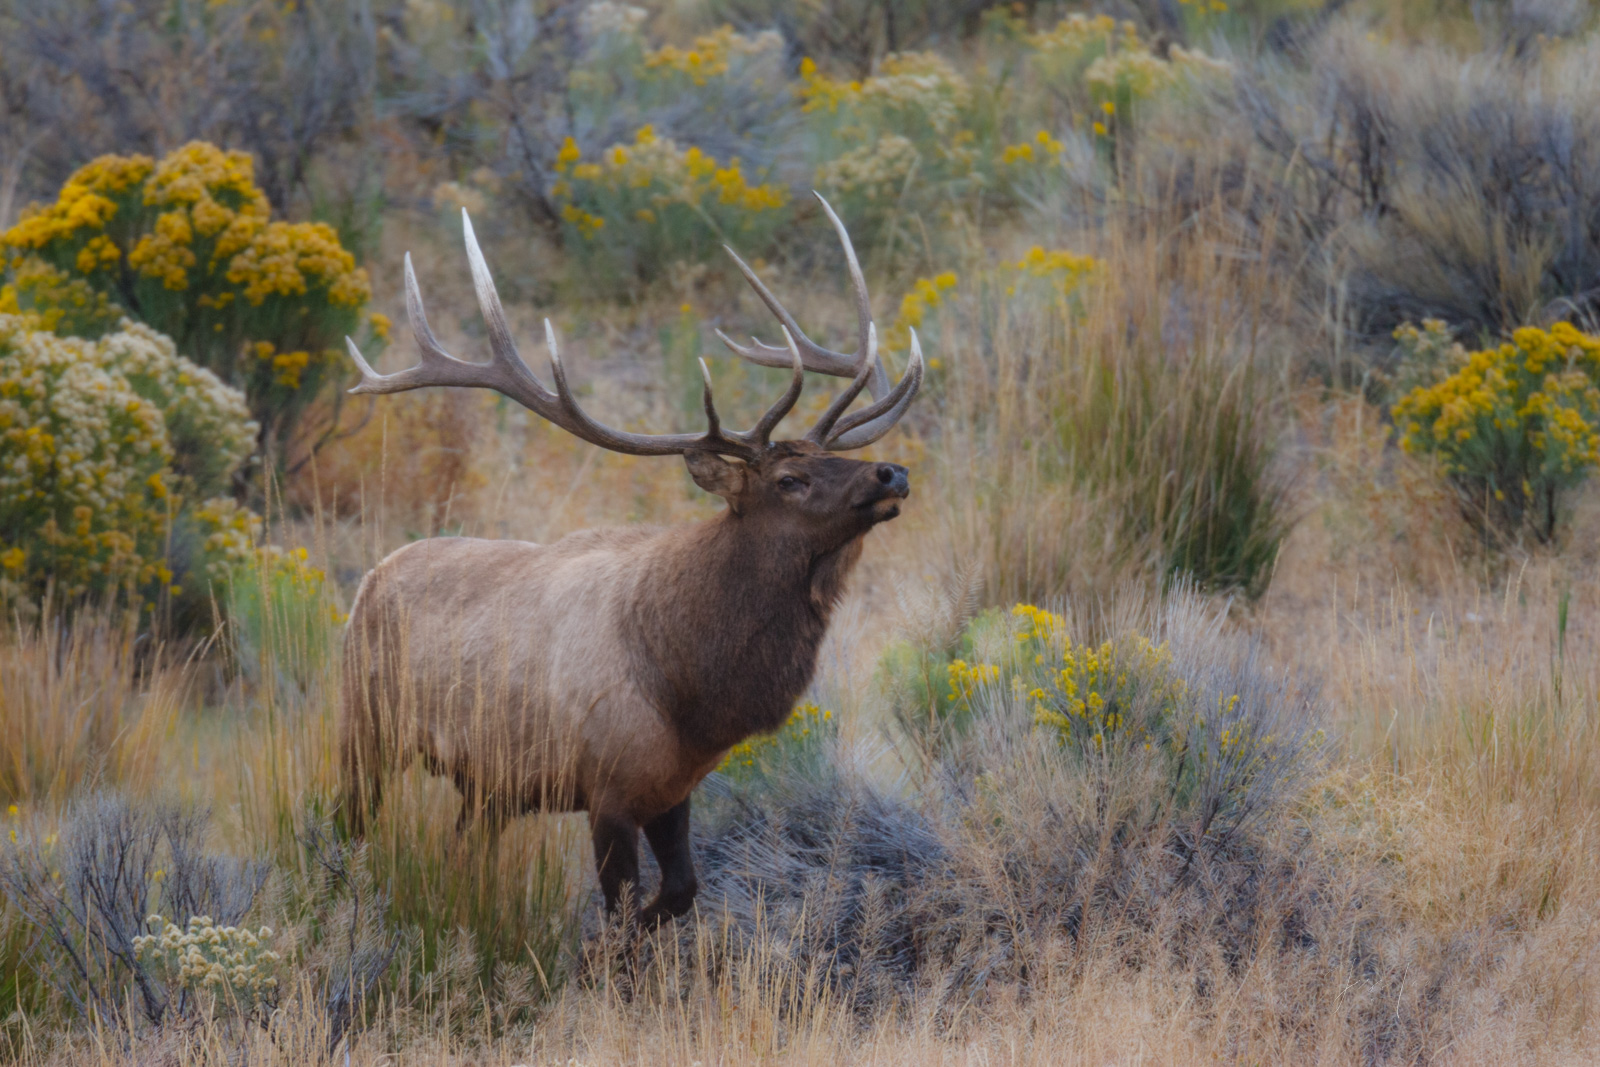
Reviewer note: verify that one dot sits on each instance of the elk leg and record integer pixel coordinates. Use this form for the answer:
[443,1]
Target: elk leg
[668,834]
[616,855]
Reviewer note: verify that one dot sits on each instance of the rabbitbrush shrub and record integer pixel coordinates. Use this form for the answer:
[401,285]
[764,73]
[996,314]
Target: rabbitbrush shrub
[188,245]
[1514,426]
[104,444]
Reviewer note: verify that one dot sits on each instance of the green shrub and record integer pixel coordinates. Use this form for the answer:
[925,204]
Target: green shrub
[188,246]
[1514,426]
[281,614]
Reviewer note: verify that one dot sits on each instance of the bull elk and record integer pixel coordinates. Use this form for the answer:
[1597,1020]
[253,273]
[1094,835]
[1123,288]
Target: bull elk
[612,670]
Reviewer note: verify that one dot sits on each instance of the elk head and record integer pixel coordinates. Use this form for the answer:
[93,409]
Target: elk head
[782,486]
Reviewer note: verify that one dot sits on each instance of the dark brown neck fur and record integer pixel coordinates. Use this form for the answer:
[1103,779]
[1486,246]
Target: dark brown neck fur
[725,623]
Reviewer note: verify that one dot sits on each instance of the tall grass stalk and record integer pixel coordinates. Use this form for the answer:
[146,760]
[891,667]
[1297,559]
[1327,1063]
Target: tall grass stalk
[1132,430]
[84,701]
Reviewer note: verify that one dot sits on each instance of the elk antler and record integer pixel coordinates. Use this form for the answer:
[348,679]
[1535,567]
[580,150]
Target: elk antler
[865,368]
[508,374]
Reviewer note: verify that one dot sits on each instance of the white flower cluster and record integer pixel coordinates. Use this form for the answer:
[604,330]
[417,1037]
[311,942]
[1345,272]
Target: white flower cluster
[1136,72]
[606,17]
[203,414]
[921,83]
[72,426]
[1142,74]
[232,533]
[875,172]
[206,957]
[89,432]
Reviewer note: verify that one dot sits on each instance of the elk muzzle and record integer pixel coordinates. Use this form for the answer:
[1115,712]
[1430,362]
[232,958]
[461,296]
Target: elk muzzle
[886,486]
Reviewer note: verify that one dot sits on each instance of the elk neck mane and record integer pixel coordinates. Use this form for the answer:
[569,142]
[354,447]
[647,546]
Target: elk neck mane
[727,622]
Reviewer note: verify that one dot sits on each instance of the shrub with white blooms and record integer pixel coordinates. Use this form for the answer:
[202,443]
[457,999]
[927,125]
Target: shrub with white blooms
[103,443]
[232,962]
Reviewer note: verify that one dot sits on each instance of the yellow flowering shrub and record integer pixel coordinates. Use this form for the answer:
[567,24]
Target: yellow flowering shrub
[640,207]
[895,143]
[1513,426]
[1107,69]
[716,55]
[187,244]
[1094,696]
[101,444]
[872,176]
[796,745]
[1062,54]
[1221,737]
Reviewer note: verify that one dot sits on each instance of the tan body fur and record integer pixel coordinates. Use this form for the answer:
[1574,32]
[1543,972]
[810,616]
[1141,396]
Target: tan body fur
[608,672]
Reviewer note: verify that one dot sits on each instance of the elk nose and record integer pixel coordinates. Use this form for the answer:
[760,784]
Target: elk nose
[892,476]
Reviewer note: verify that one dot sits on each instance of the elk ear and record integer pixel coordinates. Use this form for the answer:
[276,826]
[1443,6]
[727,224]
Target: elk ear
[715,475]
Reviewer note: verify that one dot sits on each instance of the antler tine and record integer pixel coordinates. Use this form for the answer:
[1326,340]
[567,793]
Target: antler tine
[713,423]
[857,282]
[869,356]
[817,358]
[762,430]
[502,348]
[574,419]
[371,380]
[870,423]
[505,370]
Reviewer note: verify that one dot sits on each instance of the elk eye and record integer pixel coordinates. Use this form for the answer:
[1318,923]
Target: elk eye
[789,483]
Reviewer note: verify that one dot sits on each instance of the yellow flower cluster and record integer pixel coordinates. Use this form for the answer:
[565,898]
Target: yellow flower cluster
[1114,64]
[1538,375]
[1094,690]
[925,295]
[205,196]
[651,176]
[287,367]
[1084,693]
[1129,74]
[1064,270]
[806,720]
[922,85]
[88,433]
[967,678]
[56,301]
[232,531]
[1522,418]
[820,93]
[910,89]
[230,961]
[712,54]
[286,258]
[1042,149]
[233,552]
[87,202]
